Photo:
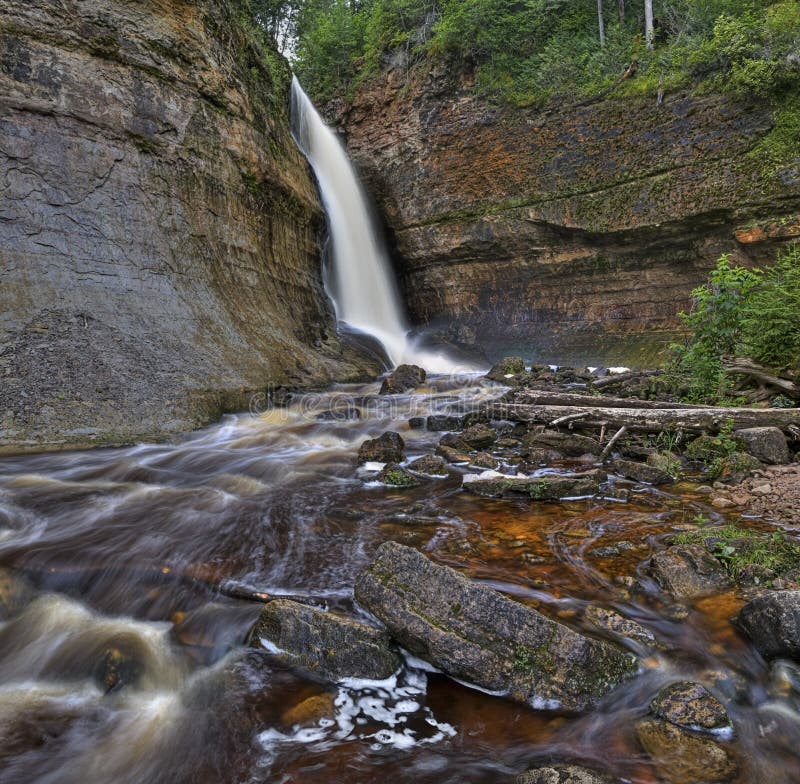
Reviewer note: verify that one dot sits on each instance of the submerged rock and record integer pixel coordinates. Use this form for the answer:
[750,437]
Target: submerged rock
[547,487]
[403,378]
[477,634]
[772,622]
[116,668]
[687,571]
[681,757]
[642,472]
[616,624]
[691,706]
[563,774]
[386,448]
[768,444]
[15,593]
[397,476]
[328,645]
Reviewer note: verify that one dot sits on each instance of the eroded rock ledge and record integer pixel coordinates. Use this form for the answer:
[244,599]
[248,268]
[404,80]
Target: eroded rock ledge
[595,221]
[159,257]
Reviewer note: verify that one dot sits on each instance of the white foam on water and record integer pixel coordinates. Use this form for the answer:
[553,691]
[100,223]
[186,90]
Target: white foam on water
[376,712]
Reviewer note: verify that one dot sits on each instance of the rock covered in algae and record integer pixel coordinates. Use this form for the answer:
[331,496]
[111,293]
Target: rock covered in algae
[476,634]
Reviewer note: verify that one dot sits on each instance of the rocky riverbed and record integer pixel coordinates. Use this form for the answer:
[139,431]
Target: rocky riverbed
[358,585]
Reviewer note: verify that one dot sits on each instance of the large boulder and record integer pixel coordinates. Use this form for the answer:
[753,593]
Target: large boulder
[546,487]
[476,634]
[563,774]
[772,622]
[403,378]
[386,448]
[687,571]
[768,444]
[328,645]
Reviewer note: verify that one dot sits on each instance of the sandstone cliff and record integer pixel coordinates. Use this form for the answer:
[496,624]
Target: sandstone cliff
[158,228]
[574,227]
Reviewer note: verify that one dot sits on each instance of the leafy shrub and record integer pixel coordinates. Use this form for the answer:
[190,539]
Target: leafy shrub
[715,327]
[770,320]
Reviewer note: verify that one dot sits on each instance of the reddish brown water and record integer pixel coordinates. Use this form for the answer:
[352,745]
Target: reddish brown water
[130,546]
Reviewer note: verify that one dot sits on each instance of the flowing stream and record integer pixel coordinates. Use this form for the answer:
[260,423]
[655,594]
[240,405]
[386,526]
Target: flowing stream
[144,550]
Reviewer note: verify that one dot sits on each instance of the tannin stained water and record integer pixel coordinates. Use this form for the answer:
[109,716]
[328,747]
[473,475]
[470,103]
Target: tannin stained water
[143,550]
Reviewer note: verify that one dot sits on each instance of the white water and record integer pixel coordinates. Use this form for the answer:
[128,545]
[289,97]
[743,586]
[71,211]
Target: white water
[364,291]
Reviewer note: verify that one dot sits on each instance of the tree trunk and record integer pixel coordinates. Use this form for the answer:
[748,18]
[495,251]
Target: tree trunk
[652,420]
[621,9]
[600,23]
[649,33]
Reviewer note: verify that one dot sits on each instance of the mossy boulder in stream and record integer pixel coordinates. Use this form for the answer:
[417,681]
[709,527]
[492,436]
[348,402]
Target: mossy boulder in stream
[328,645]
[545,487]
[478,635]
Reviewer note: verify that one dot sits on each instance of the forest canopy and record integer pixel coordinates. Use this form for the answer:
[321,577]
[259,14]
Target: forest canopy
[529,51]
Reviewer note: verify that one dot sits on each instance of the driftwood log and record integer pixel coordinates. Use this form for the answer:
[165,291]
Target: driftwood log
[651,420]
[537,397]
[762,376]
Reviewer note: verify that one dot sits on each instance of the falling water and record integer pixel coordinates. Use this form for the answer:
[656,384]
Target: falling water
[364,291]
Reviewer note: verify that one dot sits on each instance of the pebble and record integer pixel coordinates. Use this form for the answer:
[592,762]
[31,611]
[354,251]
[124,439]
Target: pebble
[720,502]
[765,489]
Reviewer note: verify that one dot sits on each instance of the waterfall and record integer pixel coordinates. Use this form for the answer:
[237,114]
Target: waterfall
[363,288]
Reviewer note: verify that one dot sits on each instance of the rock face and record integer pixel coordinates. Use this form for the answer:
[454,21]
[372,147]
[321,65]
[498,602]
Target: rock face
[474,633]
[570,220]
[326,644]
[159,259]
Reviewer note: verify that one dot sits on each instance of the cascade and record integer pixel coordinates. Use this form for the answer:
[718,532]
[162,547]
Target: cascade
[363,288]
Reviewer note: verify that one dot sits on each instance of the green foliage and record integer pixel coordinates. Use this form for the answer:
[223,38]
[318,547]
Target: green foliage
[741,549]
[527,51]
[753,313]
[715,327]
[770,317]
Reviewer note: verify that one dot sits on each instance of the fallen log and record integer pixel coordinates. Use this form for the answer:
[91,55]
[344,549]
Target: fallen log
[621,378]
[762,376]
[652,420]
[541,397]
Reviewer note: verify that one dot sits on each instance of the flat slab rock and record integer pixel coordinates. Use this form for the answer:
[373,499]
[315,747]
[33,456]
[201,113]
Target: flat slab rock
[546,487]
[476,634]
[328,645]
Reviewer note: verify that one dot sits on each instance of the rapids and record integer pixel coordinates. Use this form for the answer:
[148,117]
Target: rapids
[144,550]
